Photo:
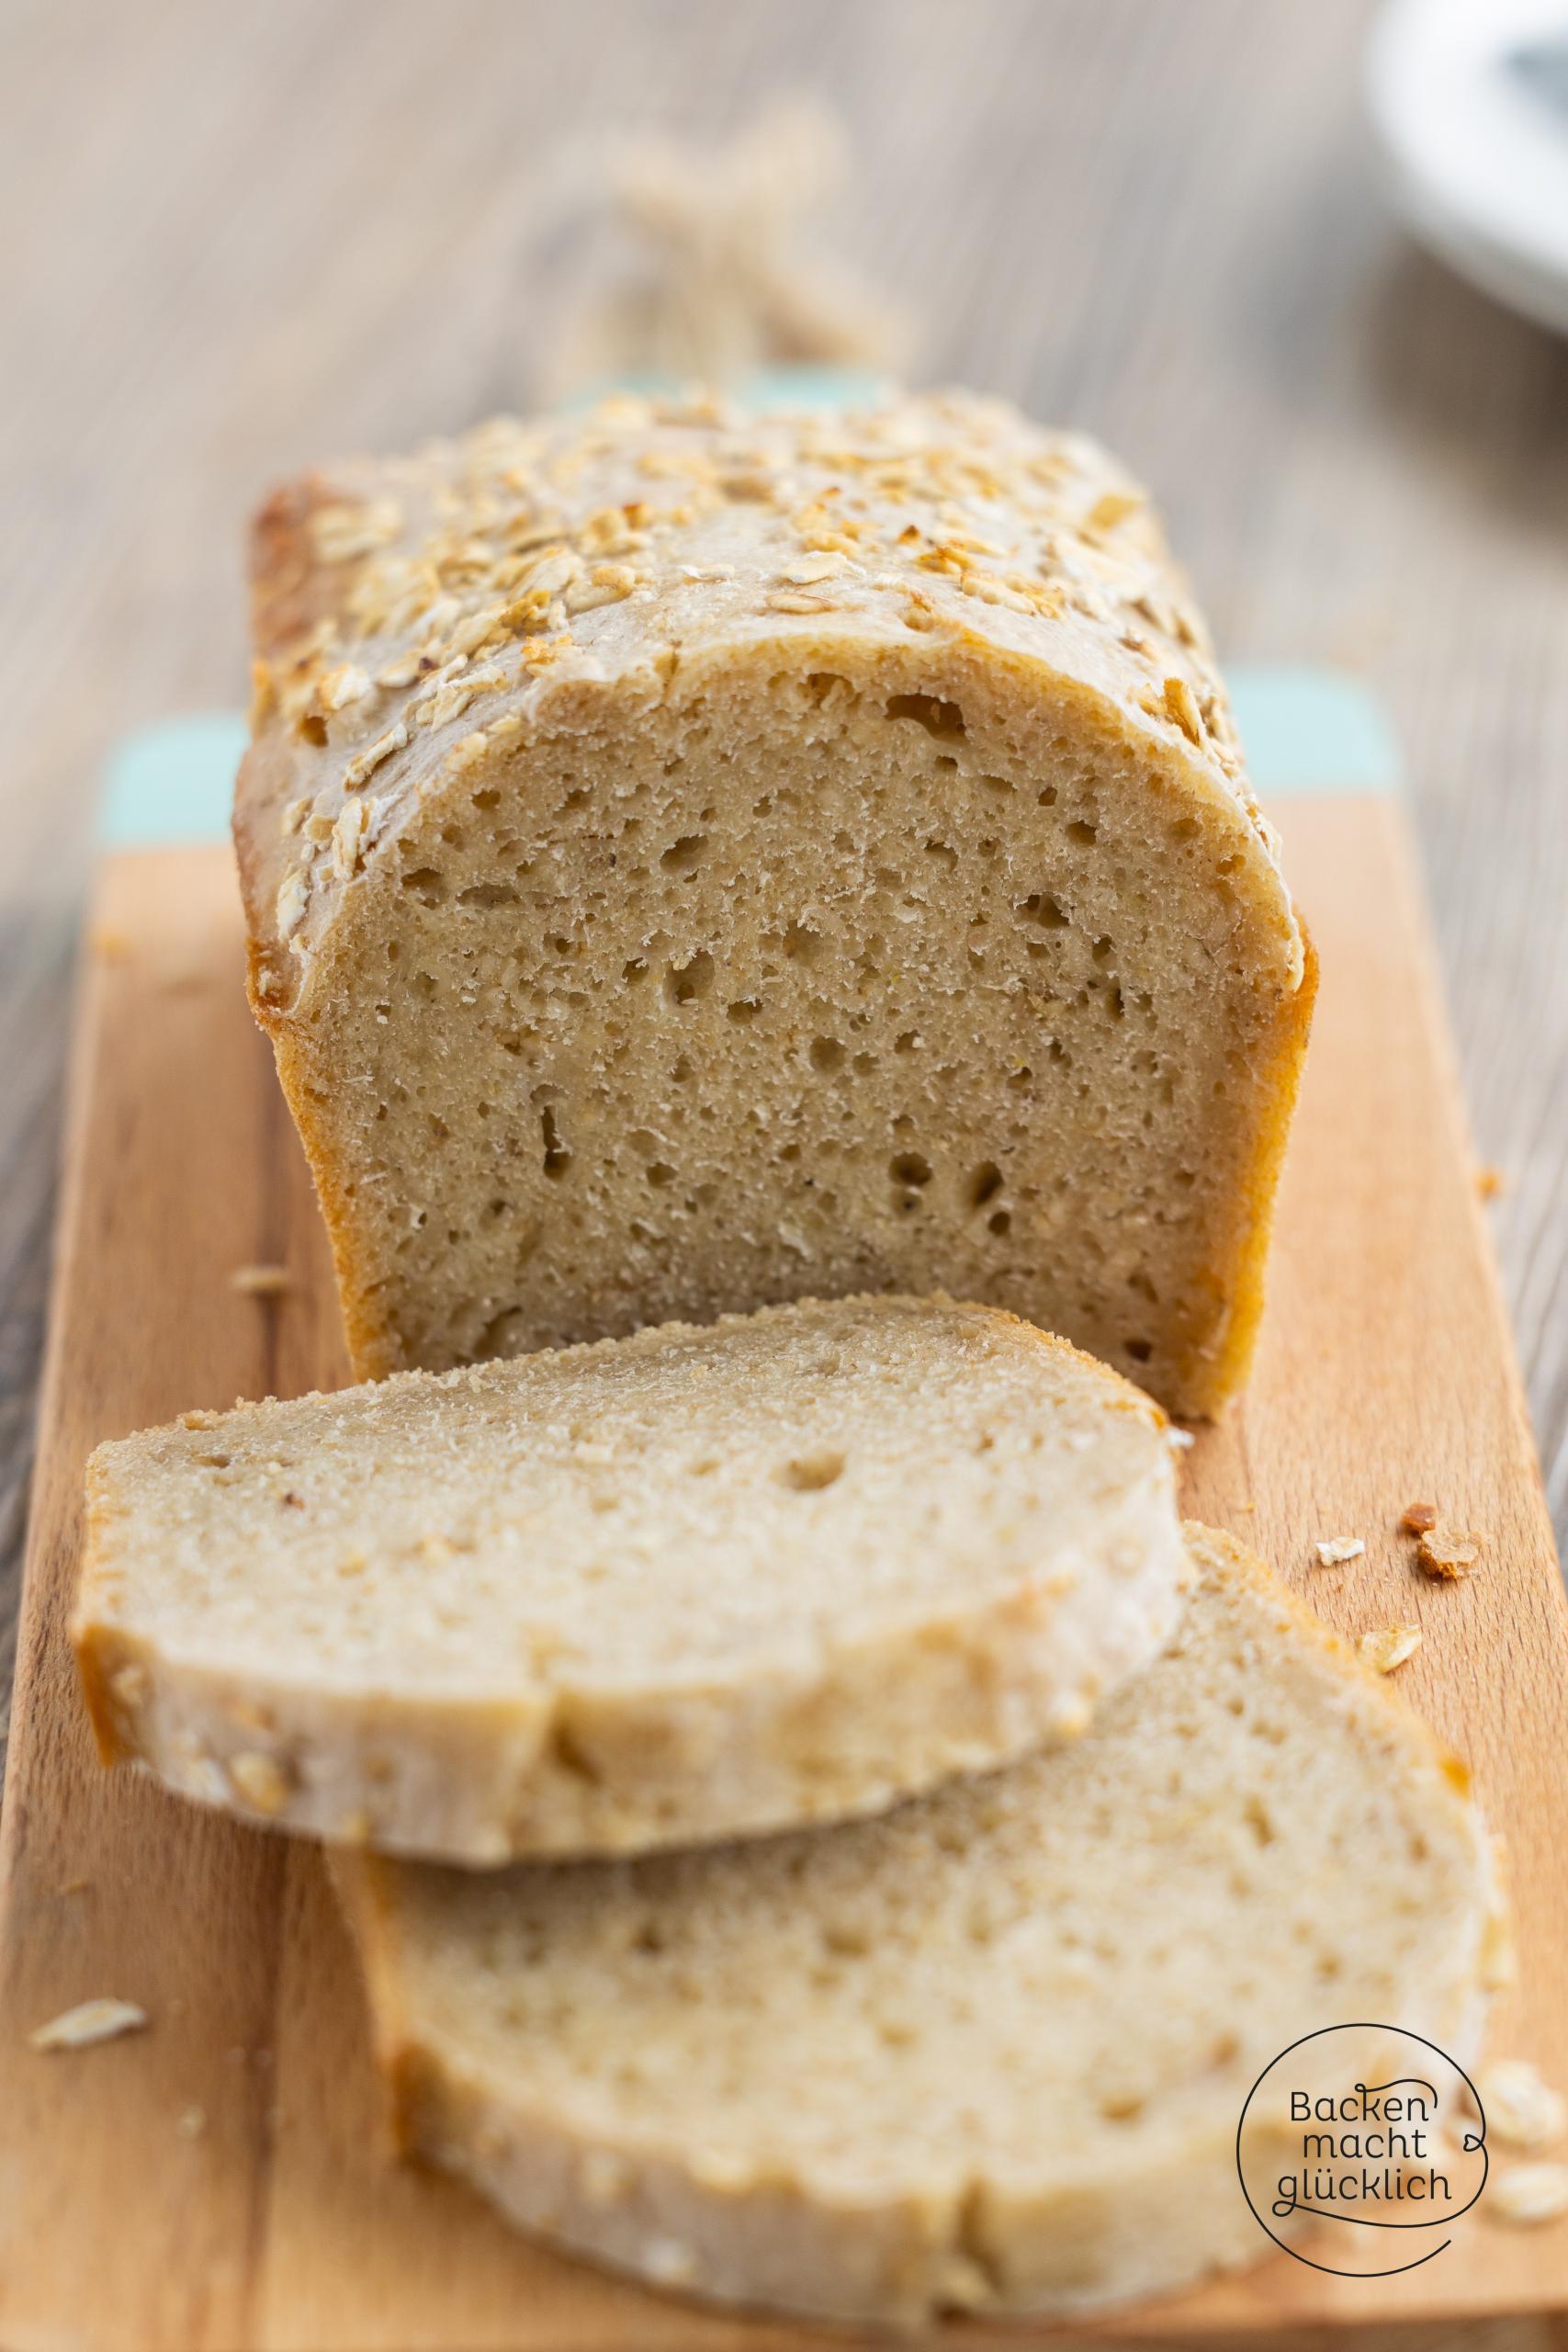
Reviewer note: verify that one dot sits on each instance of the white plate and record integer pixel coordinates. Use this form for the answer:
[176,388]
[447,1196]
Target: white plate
[1475,145]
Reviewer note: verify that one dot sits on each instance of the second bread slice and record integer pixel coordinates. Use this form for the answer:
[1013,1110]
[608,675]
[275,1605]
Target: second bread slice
[990,2052]
[696,1583]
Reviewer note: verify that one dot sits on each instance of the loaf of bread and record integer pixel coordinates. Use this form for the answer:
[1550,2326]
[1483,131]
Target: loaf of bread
[700,1581]
[987,2052]
[693,861]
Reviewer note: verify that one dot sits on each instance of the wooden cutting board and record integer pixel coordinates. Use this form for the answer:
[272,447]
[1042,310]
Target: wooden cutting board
[220,2181]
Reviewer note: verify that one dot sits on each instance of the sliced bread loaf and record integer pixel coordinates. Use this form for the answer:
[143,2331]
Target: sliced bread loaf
[689,1584]
[988,2052]
[692,861]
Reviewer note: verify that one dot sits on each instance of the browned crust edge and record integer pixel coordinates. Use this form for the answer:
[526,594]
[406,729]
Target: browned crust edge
[401,2065]
[94,1664]
[1227,1371]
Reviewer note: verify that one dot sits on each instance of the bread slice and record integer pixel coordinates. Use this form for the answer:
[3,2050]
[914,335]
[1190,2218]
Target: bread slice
[693,862]
[987,2052]
[676,1587]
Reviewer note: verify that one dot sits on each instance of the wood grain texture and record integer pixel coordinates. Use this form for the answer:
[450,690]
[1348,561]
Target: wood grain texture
[281,2224]
[260,232]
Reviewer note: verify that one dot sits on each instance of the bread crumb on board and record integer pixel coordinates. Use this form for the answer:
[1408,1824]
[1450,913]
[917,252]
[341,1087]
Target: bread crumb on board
[1418,1518]
[1528,2194]
[1336,1549]
[1489,1182]
[1449,1553]
[104,2020]
[1520,2109]
[262,1281]
[1387,1646]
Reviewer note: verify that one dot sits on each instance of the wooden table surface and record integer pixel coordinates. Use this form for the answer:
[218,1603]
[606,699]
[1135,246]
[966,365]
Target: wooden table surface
[240,237]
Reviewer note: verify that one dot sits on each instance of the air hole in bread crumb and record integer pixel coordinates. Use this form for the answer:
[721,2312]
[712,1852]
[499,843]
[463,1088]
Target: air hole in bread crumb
[985,1184]
[910,1168]
[1140,1350]
[214,1461]
[1041,907]
[1047,799]
[807,1474]
[744,1009]
[557,1159]
[487,799]
[1256,1814]
[1186,828]
[683,982]
[801,944]
[1123,2107]
[1080,829]
[428,886]
[488,894]
[634,969]
[313,727]
[827,1055]
[685,855]
[1000,1224]
[938,717]
[863,1064]
[659,1173]
[820,684]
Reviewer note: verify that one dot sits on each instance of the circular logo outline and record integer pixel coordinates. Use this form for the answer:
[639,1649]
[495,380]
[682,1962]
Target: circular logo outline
[1475,2141]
